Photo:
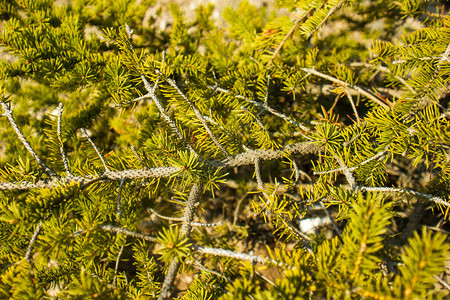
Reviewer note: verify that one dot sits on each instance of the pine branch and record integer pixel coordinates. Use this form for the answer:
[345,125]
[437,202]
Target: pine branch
[290,33]
[346,84]
[116,268]
[61,145]
[347,173]
[194,224]
[199,116]
[269,109]
[351,169]
[332,10]
[119,199]
[164,115]
[128,233]
[245,158]
[96,149]
[432,198]
[7,112]
[186,228]
[355,111]
[32,241]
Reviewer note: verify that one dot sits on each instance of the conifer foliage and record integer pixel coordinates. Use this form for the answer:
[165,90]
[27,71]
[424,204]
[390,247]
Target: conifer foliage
[134,158]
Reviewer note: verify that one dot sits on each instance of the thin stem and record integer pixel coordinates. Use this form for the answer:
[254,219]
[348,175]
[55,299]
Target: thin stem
[346,84]
[128,232]
[266,99]
[61,145]
[269,109]
[347,172]
[199,116]
[338,231]
[194,224]
[332,10]
[445,284]
[431,198]
[238,255]
[32,241]
[376,156]
[133,148]
[385,70]
[203,268]
[96,149]
[258,176]
[186,228]
[353,105]
[7,112]
[116,268]
[119,199]
[289,34]
[258,121]
[164,115]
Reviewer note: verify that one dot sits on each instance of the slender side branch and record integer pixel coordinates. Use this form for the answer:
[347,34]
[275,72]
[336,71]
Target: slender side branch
[116,268]
[347,172]
[202,268]
[32,241]
[199,116]
[346,84]
[96,149]
[376,156]
[128,232]
[289,34]
[258,121]
[268,108]
[385,70]
[432,198]
[338,231]
[164,115]
[258,177]
[7,112]
[194,224]
[186,228]
[61,145]
[332,10]
[353,105]
[133,148]
[237,255]
[119,198]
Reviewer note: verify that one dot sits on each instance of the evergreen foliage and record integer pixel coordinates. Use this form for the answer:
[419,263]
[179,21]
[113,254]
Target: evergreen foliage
[132,156]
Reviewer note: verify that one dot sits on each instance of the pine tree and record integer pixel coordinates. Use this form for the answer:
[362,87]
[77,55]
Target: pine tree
[131,156]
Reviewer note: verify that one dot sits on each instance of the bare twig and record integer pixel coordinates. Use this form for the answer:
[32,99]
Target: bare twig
[128,232]
[332,10]
[116,268]
[346,84]
[186,228]
[194,224]
[61,145]
[347,172]
[119,198]
[269,109]
[32,241]
[96,149]
[376,156]
[133,148]
[199,116]
[355,111]
[7,112]
[432,198]
[164,115]
[289,34]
